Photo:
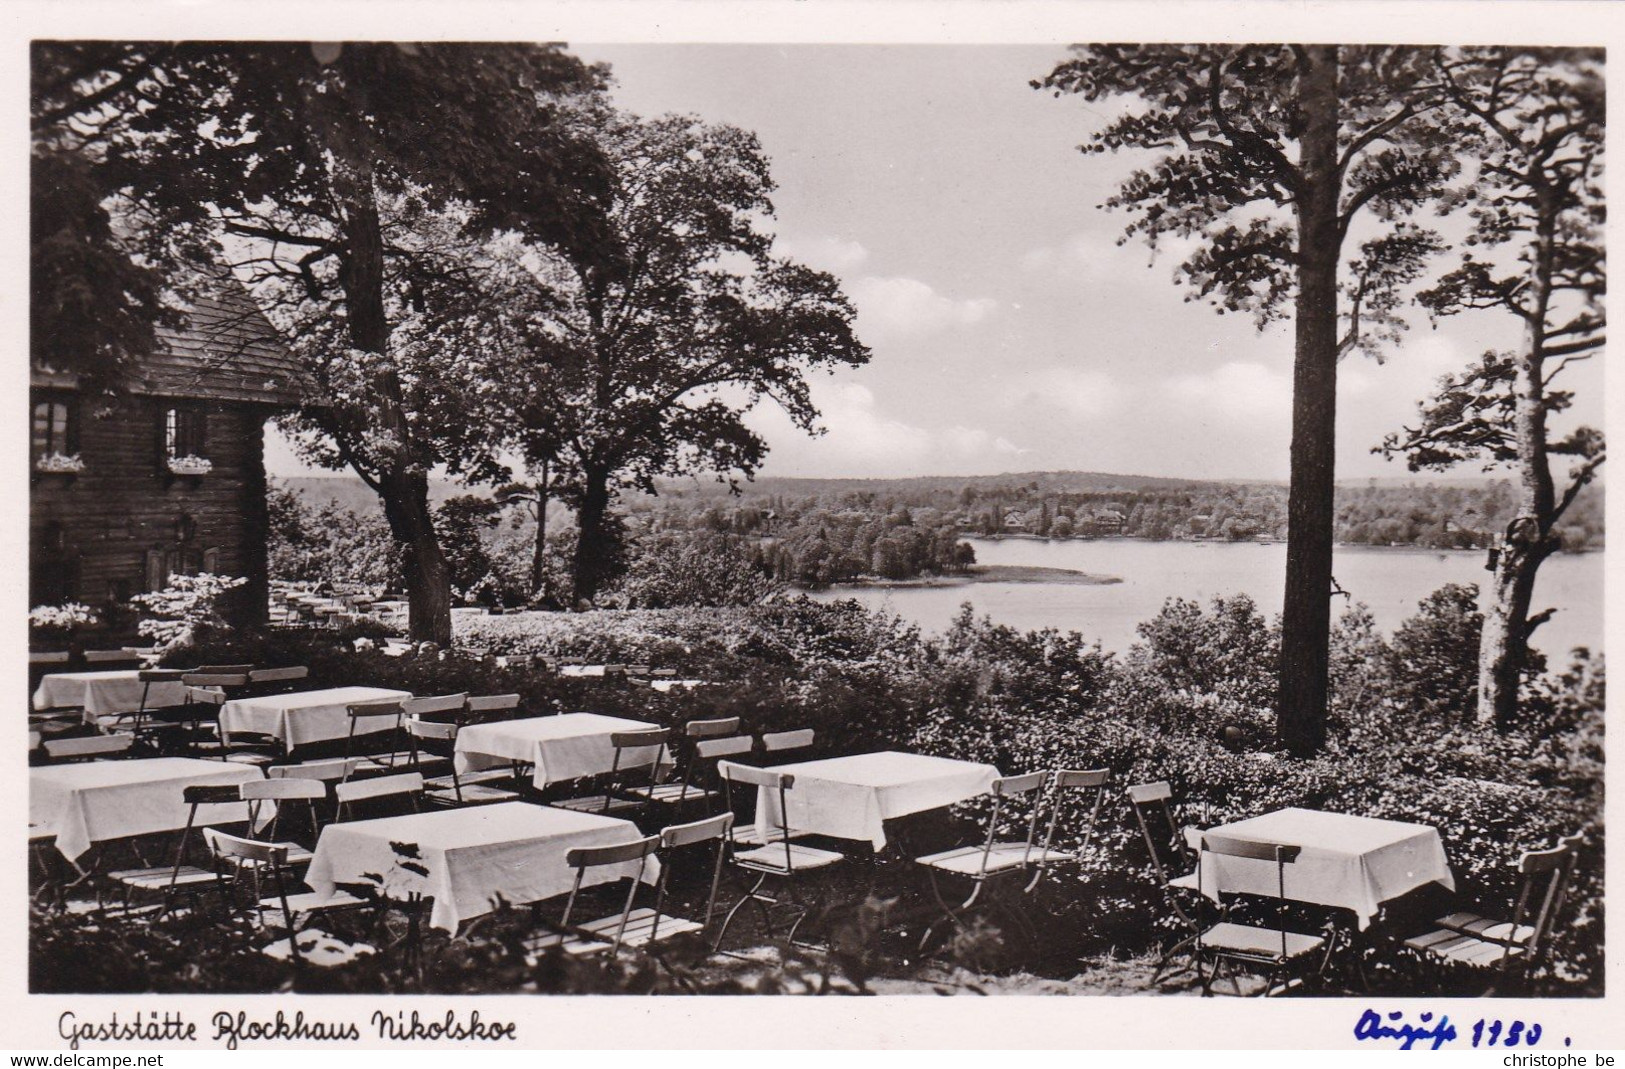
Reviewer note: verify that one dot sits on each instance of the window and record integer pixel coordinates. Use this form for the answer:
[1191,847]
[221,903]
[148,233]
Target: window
[53,428]
[183,432]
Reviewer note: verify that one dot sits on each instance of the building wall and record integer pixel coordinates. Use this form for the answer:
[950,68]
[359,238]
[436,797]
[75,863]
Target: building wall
[120,523]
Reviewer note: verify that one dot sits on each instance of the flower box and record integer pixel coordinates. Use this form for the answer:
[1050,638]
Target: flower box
[190,465]
[59,464]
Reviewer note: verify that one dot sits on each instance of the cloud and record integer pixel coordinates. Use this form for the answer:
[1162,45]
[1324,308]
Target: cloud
[862,441]
[1239,391]
[906,307]
[1076,391]
[835,255]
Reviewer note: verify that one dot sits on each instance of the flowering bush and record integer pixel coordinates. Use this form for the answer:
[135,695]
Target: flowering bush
[185,610]
[60,464]
[60,620]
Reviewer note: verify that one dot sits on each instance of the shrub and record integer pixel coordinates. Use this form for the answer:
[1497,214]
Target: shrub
[185,611]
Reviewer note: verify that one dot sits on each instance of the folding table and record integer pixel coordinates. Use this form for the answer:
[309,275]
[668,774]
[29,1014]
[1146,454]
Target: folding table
[468,859]
[852,797]
[1349,862]
[307,716]
[565,747]
[97,801]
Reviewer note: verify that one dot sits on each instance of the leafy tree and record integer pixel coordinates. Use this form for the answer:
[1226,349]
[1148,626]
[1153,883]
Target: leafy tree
[651,370]
[1536,205]
[302,159]
[1271,155]
[1435,657]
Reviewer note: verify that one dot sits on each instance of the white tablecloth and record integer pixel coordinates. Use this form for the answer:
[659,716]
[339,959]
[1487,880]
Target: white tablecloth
[95,801]
[564,747]
[307,716]
[469,858]
[1356,863]
[852,797]
[104,693]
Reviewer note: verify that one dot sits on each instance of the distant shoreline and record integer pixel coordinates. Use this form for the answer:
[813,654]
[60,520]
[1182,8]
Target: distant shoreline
[988,573]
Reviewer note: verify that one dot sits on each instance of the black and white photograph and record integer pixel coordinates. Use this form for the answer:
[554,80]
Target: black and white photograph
[1074,517]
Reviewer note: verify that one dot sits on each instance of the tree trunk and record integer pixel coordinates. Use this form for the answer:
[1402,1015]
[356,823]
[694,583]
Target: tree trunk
[538,558]
[1504,646]
[596,549]
[1306,613]
[402,482]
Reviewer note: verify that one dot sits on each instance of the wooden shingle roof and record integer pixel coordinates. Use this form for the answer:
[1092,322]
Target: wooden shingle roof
[227,351]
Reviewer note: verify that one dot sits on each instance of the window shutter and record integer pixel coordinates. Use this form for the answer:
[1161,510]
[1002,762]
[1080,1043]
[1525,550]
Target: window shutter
[211,561]
[73,426]
[163,449]
[200,437]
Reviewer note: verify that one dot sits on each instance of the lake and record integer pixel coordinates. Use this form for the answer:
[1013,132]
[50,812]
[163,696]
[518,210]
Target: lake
[1391,581]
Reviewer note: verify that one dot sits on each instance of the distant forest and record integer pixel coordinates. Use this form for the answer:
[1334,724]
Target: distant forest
[817,532]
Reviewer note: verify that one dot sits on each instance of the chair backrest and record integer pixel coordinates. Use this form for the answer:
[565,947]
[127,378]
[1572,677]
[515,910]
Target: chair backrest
[161,675]
[53,657]
[198,695]
[225,669]
[323,771]
[200,678]
[278,675]
[492,703]
[696,831]
[225,845]
[430,729]
[107,657]
[211,793]
[780,742]
[1067,783]
[441,703]
[88,746]
[732,745]
[34,740]
[361,710]
[402,785]
[712,729]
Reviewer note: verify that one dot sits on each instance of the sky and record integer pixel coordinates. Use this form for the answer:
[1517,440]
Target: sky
[1010,329]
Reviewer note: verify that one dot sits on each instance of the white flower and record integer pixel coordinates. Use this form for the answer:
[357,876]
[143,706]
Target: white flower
[61,617]
[190,465]
[60,464]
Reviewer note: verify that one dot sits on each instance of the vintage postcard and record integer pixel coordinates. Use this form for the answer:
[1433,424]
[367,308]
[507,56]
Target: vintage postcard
[1095,510]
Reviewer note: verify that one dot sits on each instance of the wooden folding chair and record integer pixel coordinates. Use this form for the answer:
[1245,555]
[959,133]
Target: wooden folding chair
[1508,949]
[360,711]
[237,859]
[1227,944]
[450,790]
[606,933]
[779,859]
[614,798]
[153,726]
[179,879]
[284,793]
[1169,849]
[681,789]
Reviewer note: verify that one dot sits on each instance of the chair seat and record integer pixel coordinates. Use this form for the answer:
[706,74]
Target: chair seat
[308,903]
[771,858]
[573,943]
[1003,857]
[1486,928]
[391,761]
[471,794]
[1186,882]
[1466,949]
[641,927]
[597,803]
[445,783]
[158,879]
[745,835]
[249,758]
[1265,943]
[673,793]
